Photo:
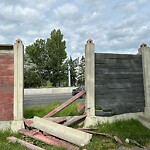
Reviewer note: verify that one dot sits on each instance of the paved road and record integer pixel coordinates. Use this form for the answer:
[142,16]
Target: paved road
[44,99]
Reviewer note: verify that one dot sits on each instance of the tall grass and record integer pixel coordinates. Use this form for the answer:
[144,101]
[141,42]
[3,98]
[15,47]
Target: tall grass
[131,129]
[40,111]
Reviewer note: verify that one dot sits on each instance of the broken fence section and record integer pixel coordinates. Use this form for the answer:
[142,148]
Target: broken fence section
[48,139]
[55,134]
[65,104]
[71,135]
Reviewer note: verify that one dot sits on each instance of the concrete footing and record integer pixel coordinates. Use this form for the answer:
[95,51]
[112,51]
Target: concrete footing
[144,120]
[13,125]
[97,119]
[16,125]
[147,111]
[4,125]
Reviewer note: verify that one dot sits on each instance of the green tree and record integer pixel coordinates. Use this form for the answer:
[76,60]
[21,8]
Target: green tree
[72,72]
[55,47]
[32,77]
[81,74]
[48,57]
[37,55]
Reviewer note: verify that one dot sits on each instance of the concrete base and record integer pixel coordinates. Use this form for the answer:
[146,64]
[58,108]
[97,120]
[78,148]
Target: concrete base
[97,119]
[147,111]
[4,125]
[145,120]
[16,125]
[13,125]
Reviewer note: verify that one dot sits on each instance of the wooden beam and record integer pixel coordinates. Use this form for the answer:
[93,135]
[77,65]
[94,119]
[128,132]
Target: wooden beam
[24,143]
[28,123]
[102,134]
[65,104]
[48,139]
[80,107]
[73,121]
[60,119]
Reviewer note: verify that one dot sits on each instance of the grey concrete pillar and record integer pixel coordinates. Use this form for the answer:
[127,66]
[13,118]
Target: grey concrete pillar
[90,78]
[17,123]
[145,51]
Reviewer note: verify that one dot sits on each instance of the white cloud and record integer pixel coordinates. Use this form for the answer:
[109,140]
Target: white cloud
[115,26]
[19,13]
[142,1]
[66,10]
[127,7]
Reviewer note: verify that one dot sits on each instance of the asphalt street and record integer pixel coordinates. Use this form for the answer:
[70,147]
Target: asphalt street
[44,99]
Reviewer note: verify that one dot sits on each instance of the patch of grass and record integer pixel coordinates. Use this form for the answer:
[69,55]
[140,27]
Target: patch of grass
[5,145]
[131,129]
[40,144]
[40,111]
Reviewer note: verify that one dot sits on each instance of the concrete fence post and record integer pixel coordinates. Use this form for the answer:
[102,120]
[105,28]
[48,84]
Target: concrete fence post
[17,123]
[90,78]
[145,51]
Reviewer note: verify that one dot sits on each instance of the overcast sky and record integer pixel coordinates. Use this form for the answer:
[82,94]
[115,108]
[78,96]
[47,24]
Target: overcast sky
[117,26]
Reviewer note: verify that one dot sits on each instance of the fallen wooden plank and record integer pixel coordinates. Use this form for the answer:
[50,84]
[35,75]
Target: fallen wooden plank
[98,133]
[65,104]
[72,121]
[48,139]
[27,123]
[65,144]
[24,143]
[117,140]
[87,128]
[103,134]
[66,133]
[80,107]
[60,119]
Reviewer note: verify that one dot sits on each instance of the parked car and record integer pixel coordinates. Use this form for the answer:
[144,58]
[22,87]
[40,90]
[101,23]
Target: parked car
[77,90]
